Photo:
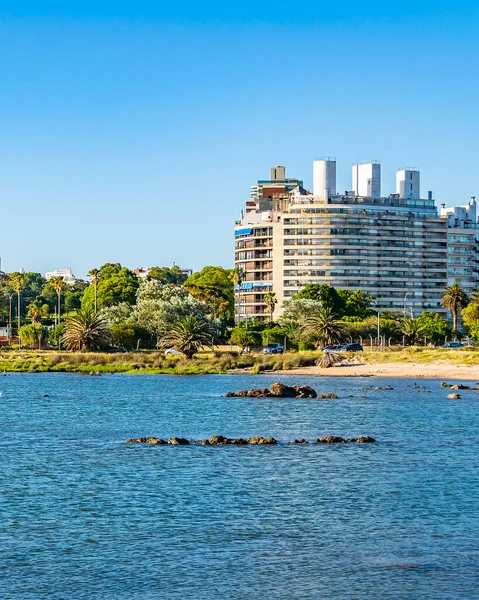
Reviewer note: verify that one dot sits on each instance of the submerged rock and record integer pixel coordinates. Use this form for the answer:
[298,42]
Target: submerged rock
[388,388]
[327,396]
[365,439]
[176,441]
[330,439]
[300,441]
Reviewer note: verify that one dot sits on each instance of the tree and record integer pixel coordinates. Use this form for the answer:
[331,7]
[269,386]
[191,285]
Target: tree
[295,312]
[94,274]
[273,334]
[470,317]
[322,328]
[189,335]
[434,327]
[412,329]
[57,284]
[32,335]
[86,331]
[356,303]
[123,334]
[214,286]
[167,275]
[454,298]
[36,310]
[115,284]
[238,275]
[159,307]
[17,281]
[270,301]
[245,338]
[324,293]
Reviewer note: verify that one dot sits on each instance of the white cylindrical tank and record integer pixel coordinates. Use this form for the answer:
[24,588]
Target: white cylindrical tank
[324,178]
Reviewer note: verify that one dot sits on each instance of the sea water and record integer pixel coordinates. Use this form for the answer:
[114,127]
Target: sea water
[85,515]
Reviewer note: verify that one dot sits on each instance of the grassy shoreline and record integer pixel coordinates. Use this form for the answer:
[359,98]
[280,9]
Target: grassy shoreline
[155,363]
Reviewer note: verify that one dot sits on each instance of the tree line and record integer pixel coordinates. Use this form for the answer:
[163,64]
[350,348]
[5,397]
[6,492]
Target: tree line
[169,309]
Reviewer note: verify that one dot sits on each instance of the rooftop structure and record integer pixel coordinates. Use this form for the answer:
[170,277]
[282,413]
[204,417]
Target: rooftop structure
[66,274]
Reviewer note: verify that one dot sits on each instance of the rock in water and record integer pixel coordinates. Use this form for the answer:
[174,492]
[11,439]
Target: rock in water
[330,439]
[261,440]
[176,441]
[146,440]
[304,391]
[300,441]
[282,391]
[327,396]
[365,439]
[454,396]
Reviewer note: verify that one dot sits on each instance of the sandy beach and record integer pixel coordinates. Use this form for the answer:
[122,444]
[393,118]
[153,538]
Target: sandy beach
[438,370]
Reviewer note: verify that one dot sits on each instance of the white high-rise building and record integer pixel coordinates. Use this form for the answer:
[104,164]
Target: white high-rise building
[324,177]
[408,183]
[367,179]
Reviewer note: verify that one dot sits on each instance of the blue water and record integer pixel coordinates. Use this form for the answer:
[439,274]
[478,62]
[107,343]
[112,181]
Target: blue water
[84,515]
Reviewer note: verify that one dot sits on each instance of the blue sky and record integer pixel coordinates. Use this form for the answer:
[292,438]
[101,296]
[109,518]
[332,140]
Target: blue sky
[131,132]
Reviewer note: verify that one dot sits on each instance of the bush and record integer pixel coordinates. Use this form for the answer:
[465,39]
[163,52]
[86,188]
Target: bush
[303,346]
[32,335]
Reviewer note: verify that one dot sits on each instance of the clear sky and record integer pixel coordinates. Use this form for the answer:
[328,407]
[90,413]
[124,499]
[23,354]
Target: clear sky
[132,131]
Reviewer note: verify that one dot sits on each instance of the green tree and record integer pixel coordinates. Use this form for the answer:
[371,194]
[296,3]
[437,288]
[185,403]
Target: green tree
[36,310]
[323,328]
[273,334]
[17,281]
[32,335]
[115,284]
[412,329]
[123,334]
[57,284]
[189,335]
[238,276]
[356,303]
[470,317]
[214,286]
[434,327]
[454,299]
[167,275]
[245,338]
[86,331]
[324,293]
[270,301]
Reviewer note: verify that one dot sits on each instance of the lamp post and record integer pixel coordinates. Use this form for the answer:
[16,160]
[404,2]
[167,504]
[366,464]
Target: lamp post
[405,296]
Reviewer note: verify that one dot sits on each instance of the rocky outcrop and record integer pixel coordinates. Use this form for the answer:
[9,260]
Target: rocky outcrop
[327,397]
[457,386]
[276,390]
[262,440]
[147,440]
[336,439]
[177,441]
[300,441]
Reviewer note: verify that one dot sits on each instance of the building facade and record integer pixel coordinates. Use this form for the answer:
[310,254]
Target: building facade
[462,245]
[394,248]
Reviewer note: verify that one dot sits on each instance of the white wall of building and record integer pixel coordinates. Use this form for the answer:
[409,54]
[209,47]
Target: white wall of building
[367,179]
[408,183]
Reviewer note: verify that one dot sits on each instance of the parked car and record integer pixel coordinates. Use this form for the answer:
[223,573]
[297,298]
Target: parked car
[173,352]
[331,348]
[352,348]
[453,345]
[273,348]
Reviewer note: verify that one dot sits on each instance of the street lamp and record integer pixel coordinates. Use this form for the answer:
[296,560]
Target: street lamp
[405,296]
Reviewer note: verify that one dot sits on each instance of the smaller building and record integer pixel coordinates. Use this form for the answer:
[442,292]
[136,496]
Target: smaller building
[67,275]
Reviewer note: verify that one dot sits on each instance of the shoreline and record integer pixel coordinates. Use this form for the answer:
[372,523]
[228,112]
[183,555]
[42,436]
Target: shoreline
[397,370]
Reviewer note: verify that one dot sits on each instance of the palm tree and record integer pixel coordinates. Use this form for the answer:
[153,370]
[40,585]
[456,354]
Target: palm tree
[412,329]
[57,284]
[35,311]
[239,276]
[474,297]
[86,331]
[270,301]
[95,276]
[322,327]
[17,281]
[454,299]
[188,335]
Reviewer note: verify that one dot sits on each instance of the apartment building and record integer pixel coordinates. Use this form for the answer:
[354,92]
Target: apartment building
[393,247]
[462,245]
